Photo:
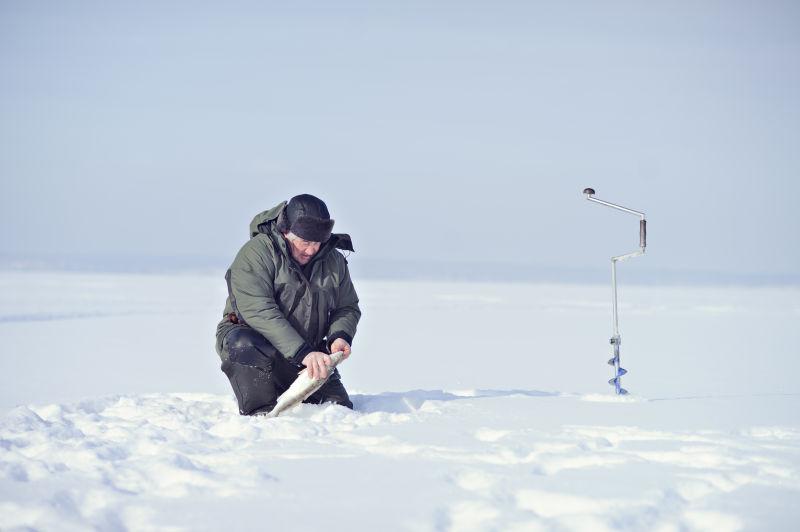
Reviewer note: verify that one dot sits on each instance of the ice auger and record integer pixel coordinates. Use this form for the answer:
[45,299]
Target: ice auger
[616,339]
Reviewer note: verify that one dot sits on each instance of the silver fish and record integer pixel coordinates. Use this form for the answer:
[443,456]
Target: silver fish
[302,387]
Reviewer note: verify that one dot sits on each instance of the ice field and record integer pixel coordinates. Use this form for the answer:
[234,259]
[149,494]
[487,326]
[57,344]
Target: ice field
[478,407]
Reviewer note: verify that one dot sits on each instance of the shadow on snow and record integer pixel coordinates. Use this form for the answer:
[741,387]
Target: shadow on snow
[402,402]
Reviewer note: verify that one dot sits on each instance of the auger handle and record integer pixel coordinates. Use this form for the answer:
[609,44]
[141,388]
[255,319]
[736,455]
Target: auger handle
[642,233]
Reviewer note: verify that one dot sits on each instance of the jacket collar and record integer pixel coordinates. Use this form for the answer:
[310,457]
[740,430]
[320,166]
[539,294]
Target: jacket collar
[264,222]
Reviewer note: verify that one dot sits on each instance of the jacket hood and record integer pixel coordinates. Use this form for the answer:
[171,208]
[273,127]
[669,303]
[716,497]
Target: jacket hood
[261,223]
[264,217]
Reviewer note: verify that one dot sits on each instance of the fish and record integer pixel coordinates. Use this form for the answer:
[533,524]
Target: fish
[302,387]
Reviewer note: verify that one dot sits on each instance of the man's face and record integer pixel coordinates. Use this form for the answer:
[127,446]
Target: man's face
[302,250]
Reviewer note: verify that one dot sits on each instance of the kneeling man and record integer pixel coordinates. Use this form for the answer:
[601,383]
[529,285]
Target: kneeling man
[290,304]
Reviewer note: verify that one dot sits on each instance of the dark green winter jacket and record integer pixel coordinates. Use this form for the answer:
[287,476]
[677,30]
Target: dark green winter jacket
[295,312]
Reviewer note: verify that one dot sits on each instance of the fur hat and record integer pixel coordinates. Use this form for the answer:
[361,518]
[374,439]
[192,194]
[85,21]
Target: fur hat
[307,217]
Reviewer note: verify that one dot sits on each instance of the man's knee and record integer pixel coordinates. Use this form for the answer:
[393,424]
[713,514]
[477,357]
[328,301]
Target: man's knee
[242,338]
[244,345]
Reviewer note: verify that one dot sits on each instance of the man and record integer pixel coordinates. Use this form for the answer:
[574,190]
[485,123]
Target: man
[290,303]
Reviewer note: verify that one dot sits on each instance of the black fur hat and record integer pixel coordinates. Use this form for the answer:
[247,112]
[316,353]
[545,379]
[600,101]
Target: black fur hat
[306,216]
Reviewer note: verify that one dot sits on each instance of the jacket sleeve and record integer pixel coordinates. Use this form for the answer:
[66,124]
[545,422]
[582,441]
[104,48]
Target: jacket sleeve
[344,318]
[252,287]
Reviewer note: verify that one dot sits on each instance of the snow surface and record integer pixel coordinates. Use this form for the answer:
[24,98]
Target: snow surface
[478,407]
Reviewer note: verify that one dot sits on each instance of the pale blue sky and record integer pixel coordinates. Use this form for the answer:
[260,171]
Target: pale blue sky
[453,131]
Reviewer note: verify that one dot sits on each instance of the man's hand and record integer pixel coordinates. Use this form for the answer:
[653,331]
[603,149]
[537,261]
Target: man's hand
[340,344]
[318,363]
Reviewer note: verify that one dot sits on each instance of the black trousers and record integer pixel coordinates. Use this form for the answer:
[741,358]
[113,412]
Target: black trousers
[259,373]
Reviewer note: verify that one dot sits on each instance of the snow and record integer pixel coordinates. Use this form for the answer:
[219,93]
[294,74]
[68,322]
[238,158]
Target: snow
[478,407]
